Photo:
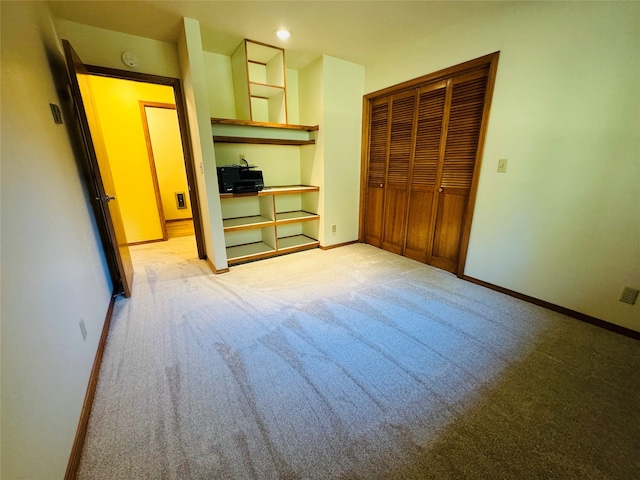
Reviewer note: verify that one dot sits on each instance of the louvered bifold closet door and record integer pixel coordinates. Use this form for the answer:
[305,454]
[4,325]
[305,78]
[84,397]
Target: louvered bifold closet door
[428,146]
[462,135]
[378,144]
[396,186]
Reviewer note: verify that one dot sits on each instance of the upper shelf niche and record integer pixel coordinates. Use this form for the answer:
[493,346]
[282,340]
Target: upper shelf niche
[259,82]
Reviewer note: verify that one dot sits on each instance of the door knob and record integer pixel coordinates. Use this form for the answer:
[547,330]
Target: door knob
[381,185]
[440,189]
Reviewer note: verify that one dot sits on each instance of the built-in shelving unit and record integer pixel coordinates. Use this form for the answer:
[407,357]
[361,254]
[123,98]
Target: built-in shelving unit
[273,221]
[276,220]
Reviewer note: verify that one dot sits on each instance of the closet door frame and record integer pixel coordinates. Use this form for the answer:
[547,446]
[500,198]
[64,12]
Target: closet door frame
[488,61]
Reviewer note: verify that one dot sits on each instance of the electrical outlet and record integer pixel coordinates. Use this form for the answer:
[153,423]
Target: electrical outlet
[243,158]
[333,228]
[83,329]
[629,295]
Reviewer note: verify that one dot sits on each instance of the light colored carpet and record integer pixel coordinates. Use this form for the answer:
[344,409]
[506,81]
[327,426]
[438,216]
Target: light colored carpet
[352,363]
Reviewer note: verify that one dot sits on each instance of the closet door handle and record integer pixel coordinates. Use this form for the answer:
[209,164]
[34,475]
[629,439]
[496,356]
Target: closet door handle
[381,185]
[440,190]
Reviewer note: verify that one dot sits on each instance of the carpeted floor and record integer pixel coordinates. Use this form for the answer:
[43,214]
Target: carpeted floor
[352,363]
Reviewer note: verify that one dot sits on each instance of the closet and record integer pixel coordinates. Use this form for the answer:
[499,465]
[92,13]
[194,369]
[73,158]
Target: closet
[423,142]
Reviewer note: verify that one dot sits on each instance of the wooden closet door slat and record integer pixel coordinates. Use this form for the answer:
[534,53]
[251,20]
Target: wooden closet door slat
[401,140]
[425,169]
[463,132]
[378,141]
[400,150]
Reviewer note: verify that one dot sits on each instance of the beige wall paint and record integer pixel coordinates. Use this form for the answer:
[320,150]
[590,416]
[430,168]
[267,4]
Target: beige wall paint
[118,106]
[311,102]
[197,105]
[280,165]
[164,133]
[563,223]
[330,95]
[53,272]
[219,84]
[97,46]
[343,86]
[293,108]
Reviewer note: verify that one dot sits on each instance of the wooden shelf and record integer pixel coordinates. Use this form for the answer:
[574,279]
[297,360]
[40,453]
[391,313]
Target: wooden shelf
[245,223]
[250,251]
[262,90]
[263,133]
[249,123]
[296,242]
[295,217]
[261,141]
[283,190]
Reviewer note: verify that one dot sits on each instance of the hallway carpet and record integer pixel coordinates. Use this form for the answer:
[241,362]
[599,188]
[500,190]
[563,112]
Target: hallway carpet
[352,363]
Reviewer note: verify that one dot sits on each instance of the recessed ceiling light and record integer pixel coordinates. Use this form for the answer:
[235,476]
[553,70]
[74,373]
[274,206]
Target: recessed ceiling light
[282,33]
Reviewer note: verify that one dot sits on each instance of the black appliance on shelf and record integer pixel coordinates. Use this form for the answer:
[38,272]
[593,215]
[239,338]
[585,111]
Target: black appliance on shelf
[240,179]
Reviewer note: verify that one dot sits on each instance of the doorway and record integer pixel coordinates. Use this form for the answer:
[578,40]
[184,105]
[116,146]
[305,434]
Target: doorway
[141,117]
[97,168]
[166,160]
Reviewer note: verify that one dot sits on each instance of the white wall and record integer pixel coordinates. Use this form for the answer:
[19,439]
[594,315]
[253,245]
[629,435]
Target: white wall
[330,96]
[311,101]
[293,109]
[194,77]
[97,46]
[563,224]
[219,83]
[53,271]
[343,90]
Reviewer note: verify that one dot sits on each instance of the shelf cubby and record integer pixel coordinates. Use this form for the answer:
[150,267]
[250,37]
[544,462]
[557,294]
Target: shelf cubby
[295,216]
[260,82]
[296,242]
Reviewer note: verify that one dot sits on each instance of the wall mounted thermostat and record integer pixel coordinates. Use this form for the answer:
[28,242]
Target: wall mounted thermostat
[129,59]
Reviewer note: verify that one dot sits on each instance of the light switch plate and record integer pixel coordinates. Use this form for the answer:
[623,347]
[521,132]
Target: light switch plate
[502,165]
[181,201]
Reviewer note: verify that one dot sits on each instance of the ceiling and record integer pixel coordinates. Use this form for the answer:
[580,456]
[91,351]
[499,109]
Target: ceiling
[357,31]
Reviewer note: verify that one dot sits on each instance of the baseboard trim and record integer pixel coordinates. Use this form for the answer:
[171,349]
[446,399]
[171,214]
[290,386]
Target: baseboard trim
[214,269]
[83,424]
[329,247]
[627,332]
[173,220]
[144,242]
